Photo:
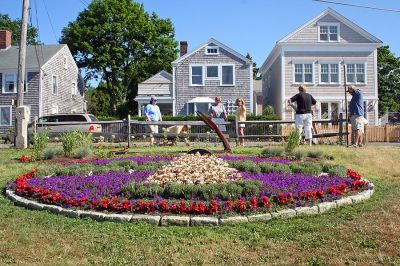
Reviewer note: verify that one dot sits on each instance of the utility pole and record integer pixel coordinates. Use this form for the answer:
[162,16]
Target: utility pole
[22,112]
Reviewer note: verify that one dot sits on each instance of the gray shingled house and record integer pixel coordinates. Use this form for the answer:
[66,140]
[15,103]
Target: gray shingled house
[315,55]
[52,81]
[212,69]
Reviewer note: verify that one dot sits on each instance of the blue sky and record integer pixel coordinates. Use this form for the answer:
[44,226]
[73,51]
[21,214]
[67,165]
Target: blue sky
[245,25]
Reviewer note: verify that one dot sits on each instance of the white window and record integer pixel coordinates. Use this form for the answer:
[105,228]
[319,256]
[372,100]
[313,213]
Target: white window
[65,62]
[5,115]
[303,73]
[213,50]
[9,83]
[212,72]
[230,107]
[54,109]
[26,81]
[54,85]
[329,32]
[227,75]
[196,76]
[74,89]
[355,73]
[329,74]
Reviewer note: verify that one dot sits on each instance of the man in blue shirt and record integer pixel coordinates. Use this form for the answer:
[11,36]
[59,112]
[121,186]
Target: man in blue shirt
[152,113]
[356,115]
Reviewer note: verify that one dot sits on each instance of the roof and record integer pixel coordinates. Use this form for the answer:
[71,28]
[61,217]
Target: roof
[219,44]
[161,77]
[159,84]
[34,54]
[339,17]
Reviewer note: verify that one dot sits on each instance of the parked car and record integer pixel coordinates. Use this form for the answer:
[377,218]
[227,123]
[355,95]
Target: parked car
[55,130]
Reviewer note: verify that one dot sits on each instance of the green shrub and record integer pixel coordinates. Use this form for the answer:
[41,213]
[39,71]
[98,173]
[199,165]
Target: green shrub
[272,152]
[225,191]
[84,139]
[246,166]
[306,168]
[334,169]
[69,142]
[314,154]
[49,153]
[293,140]
[83,152]
[40,141]
[299,154]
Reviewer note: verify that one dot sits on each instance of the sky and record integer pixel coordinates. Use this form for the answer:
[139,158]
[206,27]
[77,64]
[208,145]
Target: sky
[247,26]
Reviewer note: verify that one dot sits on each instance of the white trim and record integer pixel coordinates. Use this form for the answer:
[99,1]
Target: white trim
[211,47]
[328,24]
[221,45]
[51,84]
[303,62]
[4,83]
[283,83]
[173,91]
[233,75]
[10,107]
[252,91]
[376,74]
[54,107]
[202,75]
[206,72]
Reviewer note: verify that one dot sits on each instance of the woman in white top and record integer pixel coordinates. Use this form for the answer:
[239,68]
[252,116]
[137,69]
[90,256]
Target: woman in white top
[240,116]
[218,113]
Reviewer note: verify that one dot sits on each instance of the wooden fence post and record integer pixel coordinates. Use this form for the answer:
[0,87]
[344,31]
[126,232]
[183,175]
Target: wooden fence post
[341,128]
[386,133]
[129,131]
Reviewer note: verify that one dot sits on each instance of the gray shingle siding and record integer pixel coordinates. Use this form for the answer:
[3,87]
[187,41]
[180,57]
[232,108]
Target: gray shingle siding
[65,79]
[211,88]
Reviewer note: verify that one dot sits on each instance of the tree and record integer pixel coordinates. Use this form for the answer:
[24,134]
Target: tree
[98,100]
[118,42]
[6,23]
[388,81]
[256,73]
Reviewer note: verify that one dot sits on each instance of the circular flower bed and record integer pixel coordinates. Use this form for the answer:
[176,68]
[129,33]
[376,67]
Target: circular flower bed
[267,185]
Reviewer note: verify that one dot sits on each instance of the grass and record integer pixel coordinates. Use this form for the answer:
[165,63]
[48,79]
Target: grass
[367,233]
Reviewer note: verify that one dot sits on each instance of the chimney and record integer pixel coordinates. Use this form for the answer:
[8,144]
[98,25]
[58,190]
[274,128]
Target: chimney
[5,39]
[183,47]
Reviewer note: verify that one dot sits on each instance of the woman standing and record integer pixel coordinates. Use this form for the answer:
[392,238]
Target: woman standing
[240,116]
[218,113]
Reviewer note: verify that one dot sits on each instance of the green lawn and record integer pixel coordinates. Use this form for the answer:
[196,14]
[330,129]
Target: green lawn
[365,233]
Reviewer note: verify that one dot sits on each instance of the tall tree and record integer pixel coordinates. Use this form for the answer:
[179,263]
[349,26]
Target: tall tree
[6,23]
[256,70]
[388,81]
[117,41]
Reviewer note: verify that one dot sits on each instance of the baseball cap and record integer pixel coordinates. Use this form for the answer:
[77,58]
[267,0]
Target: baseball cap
[153,98]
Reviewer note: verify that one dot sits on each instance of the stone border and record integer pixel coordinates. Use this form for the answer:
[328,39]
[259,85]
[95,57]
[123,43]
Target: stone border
[187,220]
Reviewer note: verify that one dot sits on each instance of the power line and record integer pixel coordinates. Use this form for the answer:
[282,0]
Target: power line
[353,5]
[84,3]
[38,30]
[51,23]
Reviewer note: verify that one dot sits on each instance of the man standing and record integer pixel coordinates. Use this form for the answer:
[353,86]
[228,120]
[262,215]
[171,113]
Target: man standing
[356,115]
[303,116]
[152,112]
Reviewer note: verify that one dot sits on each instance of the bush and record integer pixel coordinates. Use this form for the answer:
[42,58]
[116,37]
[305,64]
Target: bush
[40,141]
[299,155]
[246,166]
[226,191]
[69,142]
[314,154]
[272,152]
[49,153]
[83,152]
[306,168]
[293,140]
[334,169]
[274,167]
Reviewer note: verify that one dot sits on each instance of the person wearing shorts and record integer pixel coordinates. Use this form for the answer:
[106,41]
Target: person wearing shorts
[356,111]
[240,116]
[303,117]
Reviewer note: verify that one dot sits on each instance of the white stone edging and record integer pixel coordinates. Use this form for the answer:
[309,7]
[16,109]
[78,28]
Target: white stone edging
[187,220]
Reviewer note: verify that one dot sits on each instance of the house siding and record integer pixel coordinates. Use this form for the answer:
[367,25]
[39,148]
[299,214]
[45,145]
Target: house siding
[211,88]
[31,98]
[310,33]
[272,88]
[323,92]
[65,77]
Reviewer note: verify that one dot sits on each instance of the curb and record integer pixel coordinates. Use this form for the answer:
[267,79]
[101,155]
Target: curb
[186,220]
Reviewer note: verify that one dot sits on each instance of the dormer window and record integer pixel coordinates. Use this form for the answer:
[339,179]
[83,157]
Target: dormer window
[329,32]
[212,50]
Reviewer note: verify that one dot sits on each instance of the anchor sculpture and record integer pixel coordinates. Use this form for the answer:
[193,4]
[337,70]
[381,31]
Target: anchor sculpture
[213,126]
